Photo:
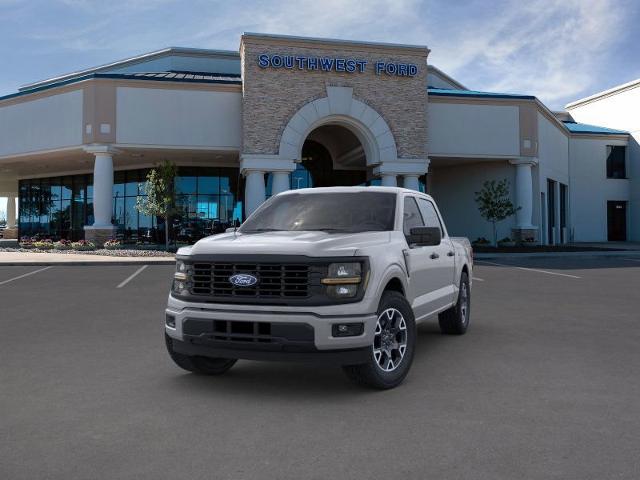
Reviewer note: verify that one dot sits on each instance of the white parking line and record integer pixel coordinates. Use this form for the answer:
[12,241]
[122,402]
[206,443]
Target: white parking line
[24,275]
[476,279]
[632,259]
[132,276]
[528,269]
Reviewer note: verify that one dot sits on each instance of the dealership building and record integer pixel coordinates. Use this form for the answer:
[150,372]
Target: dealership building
[289,112]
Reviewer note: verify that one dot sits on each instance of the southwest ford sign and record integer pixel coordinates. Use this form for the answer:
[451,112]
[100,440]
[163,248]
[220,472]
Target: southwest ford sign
[335,64]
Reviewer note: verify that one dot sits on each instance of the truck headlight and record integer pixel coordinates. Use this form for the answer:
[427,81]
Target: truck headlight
[343,279]
[181,278]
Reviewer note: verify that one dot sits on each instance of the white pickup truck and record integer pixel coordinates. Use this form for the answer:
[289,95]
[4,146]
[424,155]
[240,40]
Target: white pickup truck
[339,275]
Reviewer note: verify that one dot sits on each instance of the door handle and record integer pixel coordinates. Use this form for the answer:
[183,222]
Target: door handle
[450,253]
[434,255]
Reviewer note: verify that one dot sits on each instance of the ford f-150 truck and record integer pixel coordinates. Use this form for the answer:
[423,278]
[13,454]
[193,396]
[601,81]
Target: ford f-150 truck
[340,274]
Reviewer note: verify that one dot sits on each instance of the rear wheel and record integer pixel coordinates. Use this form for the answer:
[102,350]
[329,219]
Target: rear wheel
[199,365]
[455,321]
[392,348]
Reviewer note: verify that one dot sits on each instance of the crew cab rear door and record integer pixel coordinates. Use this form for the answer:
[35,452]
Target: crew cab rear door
[431,268]
[444,263]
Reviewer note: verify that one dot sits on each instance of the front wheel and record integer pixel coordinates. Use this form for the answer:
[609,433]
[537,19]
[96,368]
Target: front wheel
[199,365]
[392,348]
[455,321]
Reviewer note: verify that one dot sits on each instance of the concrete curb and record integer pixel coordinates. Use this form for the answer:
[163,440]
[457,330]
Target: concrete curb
[598,254]
[74,263]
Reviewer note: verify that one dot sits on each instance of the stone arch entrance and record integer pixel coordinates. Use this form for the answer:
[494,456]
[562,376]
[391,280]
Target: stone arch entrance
[341,109]
[334,122]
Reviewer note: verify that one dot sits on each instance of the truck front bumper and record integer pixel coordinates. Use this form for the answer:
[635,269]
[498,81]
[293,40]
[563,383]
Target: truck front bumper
[268,332]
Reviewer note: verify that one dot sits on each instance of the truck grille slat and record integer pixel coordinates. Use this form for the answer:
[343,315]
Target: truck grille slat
[275,280]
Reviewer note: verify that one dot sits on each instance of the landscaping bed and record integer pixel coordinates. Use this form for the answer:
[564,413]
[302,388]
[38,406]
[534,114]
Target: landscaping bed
[121,252]
[539,249]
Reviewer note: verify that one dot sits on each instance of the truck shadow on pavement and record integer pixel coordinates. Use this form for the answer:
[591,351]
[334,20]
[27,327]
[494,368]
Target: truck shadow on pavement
[306,381]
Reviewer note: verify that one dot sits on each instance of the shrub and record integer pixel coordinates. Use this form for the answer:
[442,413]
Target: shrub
[83,245]
[62,245]
[505,240]
[43,244]
[112,244]
[481,241]
[26,242]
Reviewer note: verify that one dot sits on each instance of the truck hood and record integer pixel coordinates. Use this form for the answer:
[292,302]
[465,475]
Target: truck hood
[312,244]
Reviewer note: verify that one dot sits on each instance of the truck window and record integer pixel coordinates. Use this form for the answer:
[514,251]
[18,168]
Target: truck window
[429,214]
[351,212]
[412,217]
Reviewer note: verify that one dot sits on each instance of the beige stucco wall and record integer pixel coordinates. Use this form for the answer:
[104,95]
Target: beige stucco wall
[272,96]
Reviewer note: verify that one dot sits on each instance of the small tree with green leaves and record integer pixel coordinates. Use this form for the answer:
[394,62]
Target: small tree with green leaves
[494,203]
[160,199]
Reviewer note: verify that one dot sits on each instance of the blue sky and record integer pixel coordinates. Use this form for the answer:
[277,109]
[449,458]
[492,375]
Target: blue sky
[558,50]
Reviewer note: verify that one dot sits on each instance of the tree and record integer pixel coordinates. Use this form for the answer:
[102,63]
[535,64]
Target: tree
[160,199]
[494,203]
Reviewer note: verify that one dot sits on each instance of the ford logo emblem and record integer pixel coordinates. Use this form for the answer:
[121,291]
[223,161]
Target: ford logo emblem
[243,280]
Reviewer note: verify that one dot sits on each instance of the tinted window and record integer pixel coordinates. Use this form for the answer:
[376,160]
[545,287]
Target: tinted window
[332,212]
[616,167]
[412,217]
[429,214]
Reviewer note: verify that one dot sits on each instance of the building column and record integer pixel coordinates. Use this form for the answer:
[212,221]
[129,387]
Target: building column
[280,182]
[254,191]
[11,212]
[411,182]
[409,169]
[524,198]
[253,167]
[389,180]
[102,229]
[11,232]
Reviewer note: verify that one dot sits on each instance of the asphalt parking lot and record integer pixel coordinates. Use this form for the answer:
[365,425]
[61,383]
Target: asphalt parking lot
[544,385]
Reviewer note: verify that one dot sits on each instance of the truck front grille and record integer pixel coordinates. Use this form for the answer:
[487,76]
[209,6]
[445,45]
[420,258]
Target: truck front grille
[274,280]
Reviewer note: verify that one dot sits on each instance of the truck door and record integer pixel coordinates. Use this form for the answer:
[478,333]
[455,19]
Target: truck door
[421,261]
[444,264]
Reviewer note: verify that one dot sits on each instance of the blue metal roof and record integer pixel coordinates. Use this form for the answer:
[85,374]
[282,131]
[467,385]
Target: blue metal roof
[188,77]
[575,127]
[445,92]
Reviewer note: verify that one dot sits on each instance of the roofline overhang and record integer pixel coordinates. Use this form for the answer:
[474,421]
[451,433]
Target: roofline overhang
[603,94]
[132,61]
[446,76]
[541,107]
[114,76]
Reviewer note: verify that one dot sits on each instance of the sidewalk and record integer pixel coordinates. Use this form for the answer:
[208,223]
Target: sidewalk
[593,253]
[35,259]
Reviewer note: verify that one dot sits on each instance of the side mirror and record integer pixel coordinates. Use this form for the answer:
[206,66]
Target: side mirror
[424,236]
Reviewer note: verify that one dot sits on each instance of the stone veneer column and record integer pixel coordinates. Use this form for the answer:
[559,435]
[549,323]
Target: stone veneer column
[409,169]
[102,228]
[524,198]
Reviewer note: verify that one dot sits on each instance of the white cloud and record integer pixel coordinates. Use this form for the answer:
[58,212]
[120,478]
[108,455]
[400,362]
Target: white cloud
[553,49]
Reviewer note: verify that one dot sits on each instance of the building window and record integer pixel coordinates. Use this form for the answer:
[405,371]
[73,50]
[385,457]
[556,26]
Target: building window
[616,161]
[207,200]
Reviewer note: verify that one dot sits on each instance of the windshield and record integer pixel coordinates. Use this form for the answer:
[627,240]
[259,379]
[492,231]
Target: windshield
[351,212]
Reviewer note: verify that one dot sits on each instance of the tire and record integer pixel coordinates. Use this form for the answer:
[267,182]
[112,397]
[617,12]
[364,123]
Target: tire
[199,365]
[395,328]
[455,321]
